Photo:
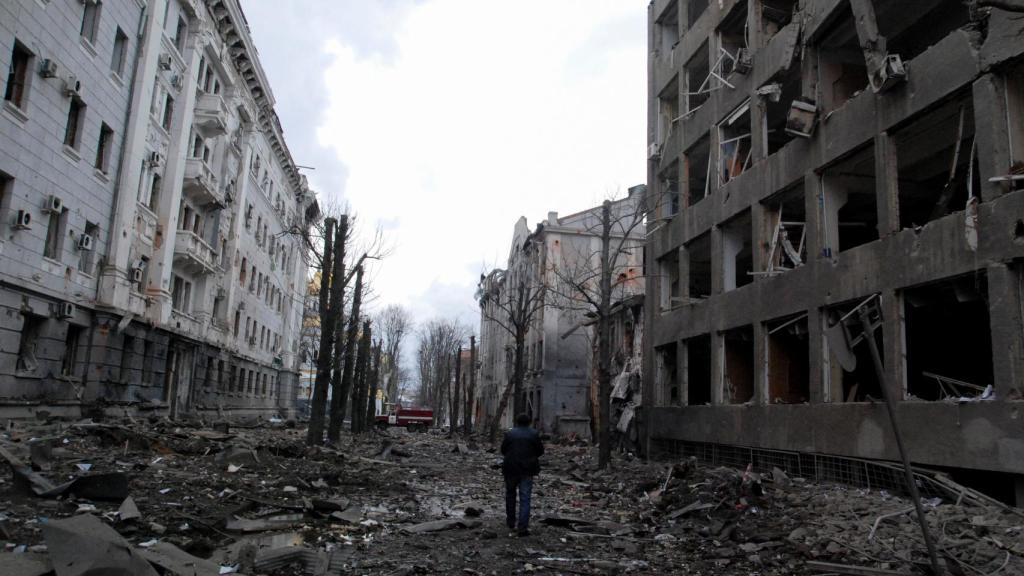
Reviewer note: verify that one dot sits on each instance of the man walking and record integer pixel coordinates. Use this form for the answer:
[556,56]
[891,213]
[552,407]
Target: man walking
[522,449]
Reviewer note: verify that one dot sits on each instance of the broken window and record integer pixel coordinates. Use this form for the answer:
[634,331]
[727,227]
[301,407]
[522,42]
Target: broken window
[734,144]
[181,294]
[776,15]
[851,375]
[841,68]
[738,377]
[786,219]
[668,110]
[698,370]
[1015,130]
[787,115]
[18,76]
[75,123]
[694,8]
[697,73]
[667,375]
[668,28]
[56,230]
[668,272]
[71,339]
[31,327]
[698,171]
[669,203]
[698,251]
[737,252]
[934,153]
[732,37]
[86,256]
[788,360]
[909,32]
[849,202]
[948,338]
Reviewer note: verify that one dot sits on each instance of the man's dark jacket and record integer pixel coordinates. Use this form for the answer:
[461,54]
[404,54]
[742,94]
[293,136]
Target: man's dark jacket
[522,449]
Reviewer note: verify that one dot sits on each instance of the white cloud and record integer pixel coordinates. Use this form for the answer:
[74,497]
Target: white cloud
[483,112]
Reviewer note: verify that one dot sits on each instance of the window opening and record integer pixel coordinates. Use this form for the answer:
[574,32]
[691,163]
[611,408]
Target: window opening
[786,219]
[739,364]
[842,71]
[71,341]
[698,370]
[734,149]
[789,360]
[861,383]
[667,374]
[18,75]
[31,327]
[698,251]
[849,202]
[737,252]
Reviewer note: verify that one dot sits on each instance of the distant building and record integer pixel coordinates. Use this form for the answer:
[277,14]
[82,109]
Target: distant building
[150,255]
[557,382]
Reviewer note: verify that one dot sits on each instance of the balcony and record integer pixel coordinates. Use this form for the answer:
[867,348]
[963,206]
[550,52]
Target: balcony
[211,115]
[192,253]
[200,183]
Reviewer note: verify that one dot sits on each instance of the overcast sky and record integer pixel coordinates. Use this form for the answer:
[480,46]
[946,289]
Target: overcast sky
[443,121]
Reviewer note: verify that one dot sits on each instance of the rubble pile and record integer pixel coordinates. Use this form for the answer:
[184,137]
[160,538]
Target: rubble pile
[170,498]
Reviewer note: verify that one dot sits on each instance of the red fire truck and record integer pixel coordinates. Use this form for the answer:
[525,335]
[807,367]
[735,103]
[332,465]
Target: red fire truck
[412,417]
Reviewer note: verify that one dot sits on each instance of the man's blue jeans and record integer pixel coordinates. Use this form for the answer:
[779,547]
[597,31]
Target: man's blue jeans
[523,485]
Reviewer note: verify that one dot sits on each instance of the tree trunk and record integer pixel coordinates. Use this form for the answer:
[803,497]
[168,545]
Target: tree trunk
[318,404]
[339,394]
[456,393]
[603,341]
[518,401]
[359,382]
[502,405]
[371,401]
[467,418]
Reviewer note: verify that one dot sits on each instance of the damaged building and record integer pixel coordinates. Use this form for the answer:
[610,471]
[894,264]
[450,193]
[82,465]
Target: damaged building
[558,374]
[819,157]
[150,255]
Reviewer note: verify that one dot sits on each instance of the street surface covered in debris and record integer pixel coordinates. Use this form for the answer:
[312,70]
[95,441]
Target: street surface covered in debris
[170,498]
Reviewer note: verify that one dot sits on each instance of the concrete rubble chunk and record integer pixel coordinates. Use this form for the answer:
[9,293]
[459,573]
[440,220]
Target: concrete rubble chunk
[83,545]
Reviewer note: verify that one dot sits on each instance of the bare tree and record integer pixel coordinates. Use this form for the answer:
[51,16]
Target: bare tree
[361,379]
[393,324]
[332,285]
[371,403]
[591,278]
[470,387]
[438,341]
[512,303]
[341,382]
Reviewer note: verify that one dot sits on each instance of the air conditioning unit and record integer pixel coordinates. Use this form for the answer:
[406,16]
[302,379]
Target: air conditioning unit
[53,204]
[85,242]
[72,86]
[23,221]
[155,159]
[164,61]
[176,82]
[136,275]
[65,310]
[653,150]
[744,61]
[48,68]
[889,74]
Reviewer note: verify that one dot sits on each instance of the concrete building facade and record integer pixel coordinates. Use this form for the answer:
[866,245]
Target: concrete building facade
[557,360]
[814,154]
[150,255]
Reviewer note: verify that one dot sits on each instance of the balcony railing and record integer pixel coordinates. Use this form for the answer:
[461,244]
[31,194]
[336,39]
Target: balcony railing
[211,115]
[201,184]
[193,253]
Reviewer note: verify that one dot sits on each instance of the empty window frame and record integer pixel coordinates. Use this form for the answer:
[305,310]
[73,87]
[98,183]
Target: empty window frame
[786,225]
[668,110]
[181,294]
[948,338]
[667,374]
[71,345]
[180,34]
[698,370]
[103,148]
[119,56]
[731,36]
[935,162]
[789,361]
[698,252]
[697,75]
[668,28]
[849,202]
[858,381]
[75,123]
[738,365]
[670,202]
[90,20]
[776,15]
[734,150]
[697,167]
[911,32]
[155,184]
[168,114]
[28,343]
[694,9]
[842,72]
[1015,121]
[737,252]
[778,130]
[56,231]
[668,275]
[18,75]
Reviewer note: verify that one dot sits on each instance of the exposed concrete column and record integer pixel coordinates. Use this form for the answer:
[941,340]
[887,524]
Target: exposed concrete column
[871,40]
[717,367]
[760,237]
[760,364]
[758,129]
[717,260]
[893,351]
[684,273]
[812,211]
[755,32]
[682,382]
[887,185]
[991,134]
[816,356]
[1007,326]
